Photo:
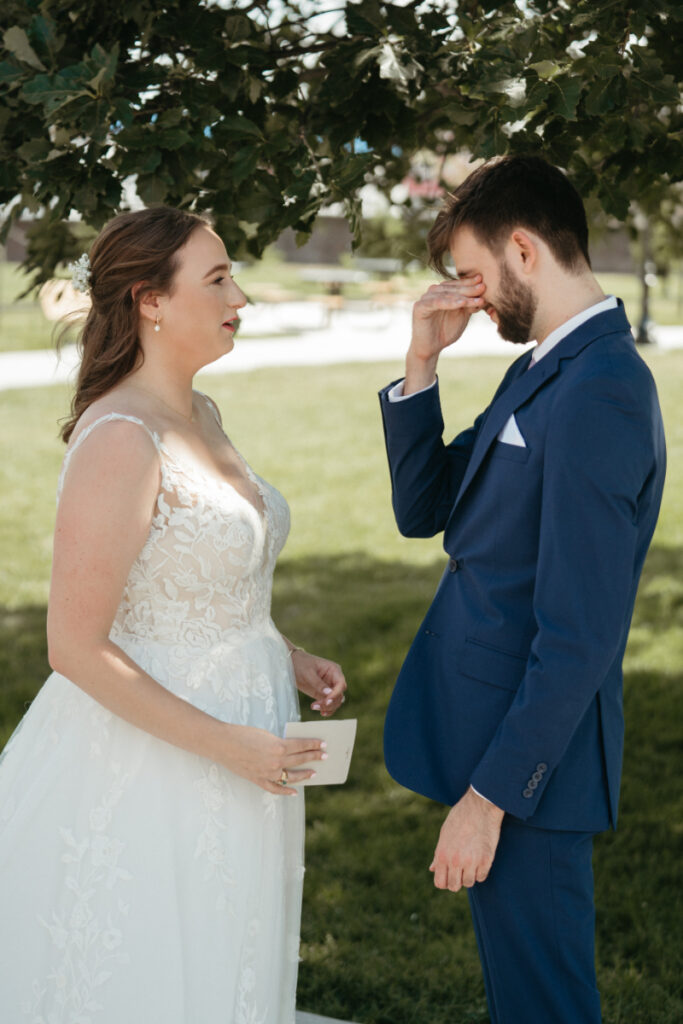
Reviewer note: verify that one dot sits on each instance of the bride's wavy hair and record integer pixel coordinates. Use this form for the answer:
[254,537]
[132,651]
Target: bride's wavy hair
[136,248]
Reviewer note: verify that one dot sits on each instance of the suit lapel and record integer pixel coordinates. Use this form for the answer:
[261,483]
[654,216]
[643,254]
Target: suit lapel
[527,381]
[518,392]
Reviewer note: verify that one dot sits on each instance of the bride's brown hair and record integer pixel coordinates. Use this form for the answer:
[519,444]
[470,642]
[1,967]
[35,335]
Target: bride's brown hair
[136,248]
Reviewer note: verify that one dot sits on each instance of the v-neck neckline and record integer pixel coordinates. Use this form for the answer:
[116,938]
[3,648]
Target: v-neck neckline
[189,468]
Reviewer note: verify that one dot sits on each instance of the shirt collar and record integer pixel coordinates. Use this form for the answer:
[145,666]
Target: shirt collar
[570,325]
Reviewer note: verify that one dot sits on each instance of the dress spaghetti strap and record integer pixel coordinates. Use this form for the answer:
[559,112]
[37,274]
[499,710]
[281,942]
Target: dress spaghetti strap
[213,407]
[88,431]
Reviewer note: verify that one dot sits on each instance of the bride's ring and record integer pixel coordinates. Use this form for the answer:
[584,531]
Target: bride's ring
[284,777]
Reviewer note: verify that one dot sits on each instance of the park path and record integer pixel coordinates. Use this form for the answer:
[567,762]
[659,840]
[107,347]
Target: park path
[313,1018]
[299,334]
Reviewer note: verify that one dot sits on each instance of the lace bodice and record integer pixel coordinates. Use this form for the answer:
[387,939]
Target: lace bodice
[204,574]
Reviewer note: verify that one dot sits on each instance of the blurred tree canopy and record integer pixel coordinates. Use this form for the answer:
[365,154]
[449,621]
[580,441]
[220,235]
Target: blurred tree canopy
[263,112]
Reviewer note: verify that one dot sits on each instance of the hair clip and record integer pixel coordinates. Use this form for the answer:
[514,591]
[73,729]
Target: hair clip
[80,273]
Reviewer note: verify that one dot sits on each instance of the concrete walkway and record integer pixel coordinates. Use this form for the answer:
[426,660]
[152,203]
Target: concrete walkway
[313,1018]
[300,334]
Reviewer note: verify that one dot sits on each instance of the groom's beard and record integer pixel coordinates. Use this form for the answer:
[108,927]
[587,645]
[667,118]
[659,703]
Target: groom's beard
[516,308]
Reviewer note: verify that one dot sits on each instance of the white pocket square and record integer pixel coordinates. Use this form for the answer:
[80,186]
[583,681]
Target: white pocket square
[511,434]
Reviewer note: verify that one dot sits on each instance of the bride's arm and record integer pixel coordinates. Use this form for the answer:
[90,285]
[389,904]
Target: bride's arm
[103,519]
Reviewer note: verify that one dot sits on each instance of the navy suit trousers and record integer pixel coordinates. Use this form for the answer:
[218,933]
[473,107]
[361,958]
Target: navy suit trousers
[534,920]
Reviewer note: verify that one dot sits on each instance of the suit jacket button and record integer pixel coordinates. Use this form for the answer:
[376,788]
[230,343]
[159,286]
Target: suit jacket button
[527,793]
[536,777]
[532,784]
[542,767]
[453,565]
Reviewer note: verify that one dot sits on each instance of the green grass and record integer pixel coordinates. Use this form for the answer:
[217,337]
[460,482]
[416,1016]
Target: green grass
[23,325]
[380,944]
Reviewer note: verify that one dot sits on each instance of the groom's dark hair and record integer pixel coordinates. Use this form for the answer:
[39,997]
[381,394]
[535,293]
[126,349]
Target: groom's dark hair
[514,192]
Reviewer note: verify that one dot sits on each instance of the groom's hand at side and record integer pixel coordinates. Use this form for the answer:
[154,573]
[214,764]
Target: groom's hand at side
[467,843]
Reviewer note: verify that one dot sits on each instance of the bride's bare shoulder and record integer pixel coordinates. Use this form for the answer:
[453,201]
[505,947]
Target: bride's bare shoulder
[110,452]
[120,402]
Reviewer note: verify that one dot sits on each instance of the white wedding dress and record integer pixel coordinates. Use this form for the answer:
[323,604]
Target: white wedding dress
[140,884]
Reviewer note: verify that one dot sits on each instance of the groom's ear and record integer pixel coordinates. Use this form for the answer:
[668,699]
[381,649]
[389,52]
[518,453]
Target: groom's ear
[522,251]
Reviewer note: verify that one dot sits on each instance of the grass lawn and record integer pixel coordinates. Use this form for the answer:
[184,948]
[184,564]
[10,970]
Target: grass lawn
[380,944]
[23,325]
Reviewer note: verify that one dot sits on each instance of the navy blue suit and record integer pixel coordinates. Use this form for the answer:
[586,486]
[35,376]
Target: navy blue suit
[513,683]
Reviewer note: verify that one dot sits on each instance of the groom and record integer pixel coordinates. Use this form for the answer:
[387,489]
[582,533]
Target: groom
[508,707]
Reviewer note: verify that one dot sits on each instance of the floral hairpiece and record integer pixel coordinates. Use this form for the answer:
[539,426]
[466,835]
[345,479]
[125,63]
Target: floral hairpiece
[80,273]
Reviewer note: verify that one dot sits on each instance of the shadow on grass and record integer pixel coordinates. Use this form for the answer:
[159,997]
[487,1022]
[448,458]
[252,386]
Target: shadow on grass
[23,662]
[660,595]
[379,944]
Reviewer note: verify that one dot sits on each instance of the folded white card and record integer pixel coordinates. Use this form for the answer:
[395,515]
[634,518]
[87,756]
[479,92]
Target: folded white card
[339,736]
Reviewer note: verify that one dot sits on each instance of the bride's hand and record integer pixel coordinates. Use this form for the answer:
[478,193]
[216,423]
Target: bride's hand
[267,760]
[321,679]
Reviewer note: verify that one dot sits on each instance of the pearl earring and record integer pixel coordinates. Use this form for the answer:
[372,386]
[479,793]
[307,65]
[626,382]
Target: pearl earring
[157,326]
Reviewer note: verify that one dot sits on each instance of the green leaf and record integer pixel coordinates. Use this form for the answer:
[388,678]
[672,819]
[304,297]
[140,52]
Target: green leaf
[9,74]
[365,55]
[61,137]
[255,89]
[43,29]
[107,62]
[34,150]
[174,138]
[367,14]
[244,163]
[237,28]
[613,200]
[602,96]
[147,161]
[567,93]
[171,118]
[514,88]
[402,19]
[495,142]
[16,41]
[460,115]
[151,189]
[352,173]
[250,228]
[546,69]
[54,91]
[123,112]
[236,125]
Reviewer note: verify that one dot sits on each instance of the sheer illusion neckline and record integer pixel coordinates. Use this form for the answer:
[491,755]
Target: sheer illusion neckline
[195,469]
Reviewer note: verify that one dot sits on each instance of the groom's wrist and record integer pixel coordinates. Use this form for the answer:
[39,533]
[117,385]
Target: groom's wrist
[420,372]
[487,804]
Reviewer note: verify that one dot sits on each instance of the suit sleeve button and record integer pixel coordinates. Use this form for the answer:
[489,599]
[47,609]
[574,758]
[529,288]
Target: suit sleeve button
[536,777]
[541,766]
[527,793]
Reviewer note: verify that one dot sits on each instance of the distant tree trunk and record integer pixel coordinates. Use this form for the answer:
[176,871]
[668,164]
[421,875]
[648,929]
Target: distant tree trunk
[644,334]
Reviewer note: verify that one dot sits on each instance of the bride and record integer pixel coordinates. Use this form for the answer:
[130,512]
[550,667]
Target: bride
[151,835]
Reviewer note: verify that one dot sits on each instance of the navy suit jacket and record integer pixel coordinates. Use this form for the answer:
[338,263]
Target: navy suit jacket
[513,683]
